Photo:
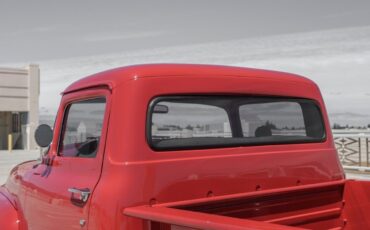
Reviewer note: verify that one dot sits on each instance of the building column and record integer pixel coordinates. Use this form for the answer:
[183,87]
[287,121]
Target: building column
[33,104]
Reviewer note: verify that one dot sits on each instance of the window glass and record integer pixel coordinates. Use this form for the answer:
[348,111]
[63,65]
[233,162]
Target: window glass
[82,128]
[189,120]
[193,122]
[272,118]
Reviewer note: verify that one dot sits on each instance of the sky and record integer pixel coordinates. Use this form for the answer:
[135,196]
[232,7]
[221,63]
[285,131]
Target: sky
[325,40]
[31,31]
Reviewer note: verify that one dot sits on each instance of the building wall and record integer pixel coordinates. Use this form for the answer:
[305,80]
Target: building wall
[19,92]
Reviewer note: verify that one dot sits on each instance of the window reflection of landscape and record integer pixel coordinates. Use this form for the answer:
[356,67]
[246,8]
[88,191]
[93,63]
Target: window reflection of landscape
[206,121]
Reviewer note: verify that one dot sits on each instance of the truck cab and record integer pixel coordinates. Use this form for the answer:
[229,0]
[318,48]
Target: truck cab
[180,146]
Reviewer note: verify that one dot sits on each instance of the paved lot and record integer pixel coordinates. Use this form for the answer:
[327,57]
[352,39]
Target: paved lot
[358,176]
[9,159]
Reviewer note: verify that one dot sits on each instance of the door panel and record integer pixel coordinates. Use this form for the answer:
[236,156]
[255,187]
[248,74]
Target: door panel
[60,189]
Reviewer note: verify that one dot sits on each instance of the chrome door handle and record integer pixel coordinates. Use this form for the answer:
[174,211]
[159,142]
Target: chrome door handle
[83,193]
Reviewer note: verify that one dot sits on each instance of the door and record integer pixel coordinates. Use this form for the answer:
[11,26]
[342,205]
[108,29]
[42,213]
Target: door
[60,189]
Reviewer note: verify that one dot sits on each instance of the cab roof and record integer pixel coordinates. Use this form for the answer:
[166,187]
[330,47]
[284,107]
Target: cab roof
[112,78]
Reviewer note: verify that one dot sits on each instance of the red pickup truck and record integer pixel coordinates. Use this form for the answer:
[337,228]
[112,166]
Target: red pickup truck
[172,146]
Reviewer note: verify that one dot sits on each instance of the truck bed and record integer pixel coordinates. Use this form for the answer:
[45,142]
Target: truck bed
[340,204]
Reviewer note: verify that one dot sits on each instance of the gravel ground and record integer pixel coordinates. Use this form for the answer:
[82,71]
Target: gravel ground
[9,159]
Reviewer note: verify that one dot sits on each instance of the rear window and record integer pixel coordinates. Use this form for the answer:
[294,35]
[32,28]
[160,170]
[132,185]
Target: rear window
[196,122]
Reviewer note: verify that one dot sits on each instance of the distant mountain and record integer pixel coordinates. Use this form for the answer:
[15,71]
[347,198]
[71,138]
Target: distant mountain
[337,60]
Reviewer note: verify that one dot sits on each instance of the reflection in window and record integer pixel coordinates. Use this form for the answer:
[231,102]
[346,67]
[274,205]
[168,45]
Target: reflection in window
[195,122]
[188,120]
[273,118]
[82,128]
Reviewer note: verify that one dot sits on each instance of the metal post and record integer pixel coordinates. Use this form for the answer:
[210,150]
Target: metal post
[359,151]
[10,142]
[367,152]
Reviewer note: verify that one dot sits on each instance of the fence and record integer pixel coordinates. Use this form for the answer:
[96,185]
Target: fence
[354,151]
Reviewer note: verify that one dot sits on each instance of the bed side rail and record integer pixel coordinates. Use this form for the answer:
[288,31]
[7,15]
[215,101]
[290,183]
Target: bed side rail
[194,220]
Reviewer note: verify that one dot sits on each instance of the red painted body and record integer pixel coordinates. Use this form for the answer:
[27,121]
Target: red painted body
[135,187]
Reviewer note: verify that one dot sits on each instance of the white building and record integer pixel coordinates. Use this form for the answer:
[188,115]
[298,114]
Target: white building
[19,106]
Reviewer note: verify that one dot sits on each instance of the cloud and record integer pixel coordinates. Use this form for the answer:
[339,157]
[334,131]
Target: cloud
[349,115]
[25,32]
[38,29]
[122,36]
[42,29]
[330,58]
[341,14]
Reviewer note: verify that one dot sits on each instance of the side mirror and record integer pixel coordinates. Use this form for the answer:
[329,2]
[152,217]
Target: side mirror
[43,135]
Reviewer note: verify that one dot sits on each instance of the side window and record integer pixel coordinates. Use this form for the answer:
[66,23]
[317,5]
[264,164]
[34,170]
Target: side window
[82,128]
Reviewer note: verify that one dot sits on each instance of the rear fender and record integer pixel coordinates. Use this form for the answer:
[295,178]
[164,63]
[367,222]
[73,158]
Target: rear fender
[8,214]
